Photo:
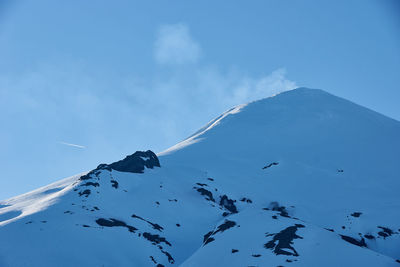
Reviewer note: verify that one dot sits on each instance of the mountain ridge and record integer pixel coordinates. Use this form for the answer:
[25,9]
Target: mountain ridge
[291,180]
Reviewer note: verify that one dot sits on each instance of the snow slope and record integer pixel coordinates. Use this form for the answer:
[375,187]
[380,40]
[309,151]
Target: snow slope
[303,178]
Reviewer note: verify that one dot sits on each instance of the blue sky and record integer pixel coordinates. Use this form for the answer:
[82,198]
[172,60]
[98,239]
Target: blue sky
[86,82]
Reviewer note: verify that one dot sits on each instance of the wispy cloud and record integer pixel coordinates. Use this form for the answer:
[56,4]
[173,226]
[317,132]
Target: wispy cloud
[73,145]
[105,110]
[174,45]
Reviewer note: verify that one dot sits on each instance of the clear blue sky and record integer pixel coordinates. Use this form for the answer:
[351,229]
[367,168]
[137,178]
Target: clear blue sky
[86,82]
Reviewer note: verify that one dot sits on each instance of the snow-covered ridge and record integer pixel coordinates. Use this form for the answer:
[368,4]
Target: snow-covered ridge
[303,178]
[35,201]
[195,137]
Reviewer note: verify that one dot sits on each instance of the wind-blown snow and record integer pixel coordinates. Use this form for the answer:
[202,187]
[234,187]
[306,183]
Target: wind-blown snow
[303,178]
[194,138]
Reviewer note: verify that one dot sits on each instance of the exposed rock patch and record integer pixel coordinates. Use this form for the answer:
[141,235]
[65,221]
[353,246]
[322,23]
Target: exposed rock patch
[248,200]
[368,236]
[113,222]
[221,228]
[154,225]
[155,238]
[205,192]
[386,232]
[134,163]
[283,241]
[85,193]
[137,162]
[91,184]
[274,206]
[114,184]
[228,204]
[270,165]
[351,240]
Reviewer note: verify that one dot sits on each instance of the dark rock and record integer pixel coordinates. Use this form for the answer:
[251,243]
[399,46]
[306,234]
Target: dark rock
[200,184]
[136,162]
[133,163]
[102,166]
[209,240]
[235,250]
[270,165]
[282,209]
[356,214]
[284,240]
[246,200]
[154,225]
[85,177]
[205,192]
[207,236]
[369,236]
[113,222]
[114,184]
[256,255]
[228,204]
[86,193]
[221,228]
[386,232]
[170,259]
[383,234]
[351,240]
[155,238]
[210,179]
[95,173]
[225,226]
[91,184]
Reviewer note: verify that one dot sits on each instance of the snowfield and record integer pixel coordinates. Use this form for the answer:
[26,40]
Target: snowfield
[303,178]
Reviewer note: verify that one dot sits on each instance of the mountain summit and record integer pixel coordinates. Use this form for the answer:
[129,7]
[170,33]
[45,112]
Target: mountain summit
[303,178]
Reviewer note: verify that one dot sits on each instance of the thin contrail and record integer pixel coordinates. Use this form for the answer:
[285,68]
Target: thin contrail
[74,145]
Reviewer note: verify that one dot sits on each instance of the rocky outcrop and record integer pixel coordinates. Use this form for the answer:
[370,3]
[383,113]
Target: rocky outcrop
[136,162]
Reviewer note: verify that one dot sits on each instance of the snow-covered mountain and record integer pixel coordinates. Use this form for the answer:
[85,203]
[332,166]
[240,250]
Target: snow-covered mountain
[303,178]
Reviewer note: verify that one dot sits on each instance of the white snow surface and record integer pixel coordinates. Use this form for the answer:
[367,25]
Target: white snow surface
[306,172]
